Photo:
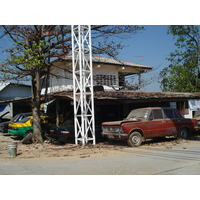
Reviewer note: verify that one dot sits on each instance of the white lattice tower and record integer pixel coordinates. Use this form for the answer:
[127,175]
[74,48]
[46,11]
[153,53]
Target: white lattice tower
[83,84]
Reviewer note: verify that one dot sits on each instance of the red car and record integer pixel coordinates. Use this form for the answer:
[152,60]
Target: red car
[149,123]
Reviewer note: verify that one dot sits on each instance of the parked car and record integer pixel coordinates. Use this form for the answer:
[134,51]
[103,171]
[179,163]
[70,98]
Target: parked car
[17,118]
[62,133]
[65,132]
[149,123]
[25,127]
[197,117]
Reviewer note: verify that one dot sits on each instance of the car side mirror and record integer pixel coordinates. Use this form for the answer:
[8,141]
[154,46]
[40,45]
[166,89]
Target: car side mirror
[150,118]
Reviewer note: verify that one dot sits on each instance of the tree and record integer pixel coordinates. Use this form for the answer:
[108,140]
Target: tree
[182,75]
[35,48]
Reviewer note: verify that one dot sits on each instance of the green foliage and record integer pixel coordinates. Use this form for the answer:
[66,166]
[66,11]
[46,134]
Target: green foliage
[182,75]
[28,57]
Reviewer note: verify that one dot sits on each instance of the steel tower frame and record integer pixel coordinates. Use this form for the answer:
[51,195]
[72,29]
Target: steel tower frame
[83,84]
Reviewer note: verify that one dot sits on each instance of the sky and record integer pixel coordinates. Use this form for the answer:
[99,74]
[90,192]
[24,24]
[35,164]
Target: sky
[150,47]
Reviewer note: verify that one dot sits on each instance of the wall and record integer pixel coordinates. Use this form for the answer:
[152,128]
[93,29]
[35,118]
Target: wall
[64,79]
[13,92]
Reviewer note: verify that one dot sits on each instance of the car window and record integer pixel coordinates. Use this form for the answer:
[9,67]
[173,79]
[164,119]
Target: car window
[16,118]
[169,113]
[138,113]
[177,114]
[156,114]
[24,120]
[19,117]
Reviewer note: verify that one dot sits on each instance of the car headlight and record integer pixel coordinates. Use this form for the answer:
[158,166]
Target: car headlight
[112,129]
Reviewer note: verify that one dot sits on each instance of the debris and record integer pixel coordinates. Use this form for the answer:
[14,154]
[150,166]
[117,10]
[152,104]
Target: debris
[100,149]
[84,156]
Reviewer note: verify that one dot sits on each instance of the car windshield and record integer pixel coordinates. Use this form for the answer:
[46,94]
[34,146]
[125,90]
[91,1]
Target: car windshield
[20,116]
[138,114]
[24,120]
[15,119]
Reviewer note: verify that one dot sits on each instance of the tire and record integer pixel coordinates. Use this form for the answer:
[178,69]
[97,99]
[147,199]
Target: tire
[184,133]
[135,139]
[28,138]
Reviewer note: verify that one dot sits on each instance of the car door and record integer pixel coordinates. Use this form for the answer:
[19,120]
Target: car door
[157,126]
[172,120]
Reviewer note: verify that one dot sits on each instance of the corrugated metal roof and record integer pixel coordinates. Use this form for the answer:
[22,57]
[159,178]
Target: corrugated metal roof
[123,95]
[105,60]
[4,84]
[144,95]
[134,95]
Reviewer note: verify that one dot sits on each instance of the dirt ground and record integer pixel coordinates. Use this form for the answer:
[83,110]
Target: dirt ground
[48,149]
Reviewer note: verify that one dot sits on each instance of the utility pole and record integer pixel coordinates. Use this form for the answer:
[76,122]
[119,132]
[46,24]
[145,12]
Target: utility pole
[83,84]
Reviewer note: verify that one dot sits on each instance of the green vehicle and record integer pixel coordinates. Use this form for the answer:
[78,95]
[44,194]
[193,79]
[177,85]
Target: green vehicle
[24,128]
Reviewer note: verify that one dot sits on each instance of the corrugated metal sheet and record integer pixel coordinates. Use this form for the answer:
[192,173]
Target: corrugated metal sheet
[126,95]
[134,95]
[3,85]
[105,60]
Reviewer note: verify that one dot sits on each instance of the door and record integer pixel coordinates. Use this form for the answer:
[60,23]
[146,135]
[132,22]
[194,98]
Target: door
[157,125]
[173,121]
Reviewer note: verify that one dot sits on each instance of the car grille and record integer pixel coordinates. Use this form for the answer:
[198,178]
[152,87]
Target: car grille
[113,129]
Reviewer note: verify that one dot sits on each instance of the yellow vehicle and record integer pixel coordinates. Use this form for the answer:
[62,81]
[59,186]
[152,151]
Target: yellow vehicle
[25,126]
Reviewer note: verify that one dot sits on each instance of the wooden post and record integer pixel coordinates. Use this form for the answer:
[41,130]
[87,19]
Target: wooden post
[57,111]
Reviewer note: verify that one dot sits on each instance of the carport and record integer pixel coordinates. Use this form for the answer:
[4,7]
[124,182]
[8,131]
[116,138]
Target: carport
[115,105]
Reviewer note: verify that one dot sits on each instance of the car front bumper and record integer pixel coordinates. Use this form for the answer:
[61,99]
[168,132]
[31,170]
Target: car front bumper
[115,135]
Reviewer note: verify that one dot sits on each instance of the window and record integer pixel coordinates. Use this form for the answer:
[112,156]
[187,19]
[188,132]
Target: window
[169,113]
[105,79]
[156,114]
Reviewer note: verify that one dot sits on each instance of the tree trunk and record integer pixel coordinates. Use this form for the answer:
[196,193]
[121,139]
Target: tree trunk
[37,130]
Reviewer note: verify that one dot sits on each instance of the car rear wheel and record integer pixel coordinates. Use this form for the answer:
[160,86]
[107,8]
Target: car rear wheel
[184,133]
[28,137]
[135,139]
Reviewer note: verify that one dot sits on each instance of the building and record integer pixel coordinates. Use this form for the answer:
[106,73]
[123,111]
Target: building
[112,100]
[107,72]
[10,98]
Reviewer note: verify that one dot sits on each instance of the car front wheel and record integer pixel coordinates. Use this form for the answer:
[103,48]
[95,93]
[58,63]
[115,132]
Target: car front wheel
[184,133]
[135,139]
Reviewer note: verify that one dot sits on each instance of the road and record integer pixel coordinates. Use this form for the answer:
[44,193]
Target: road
[129,161]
